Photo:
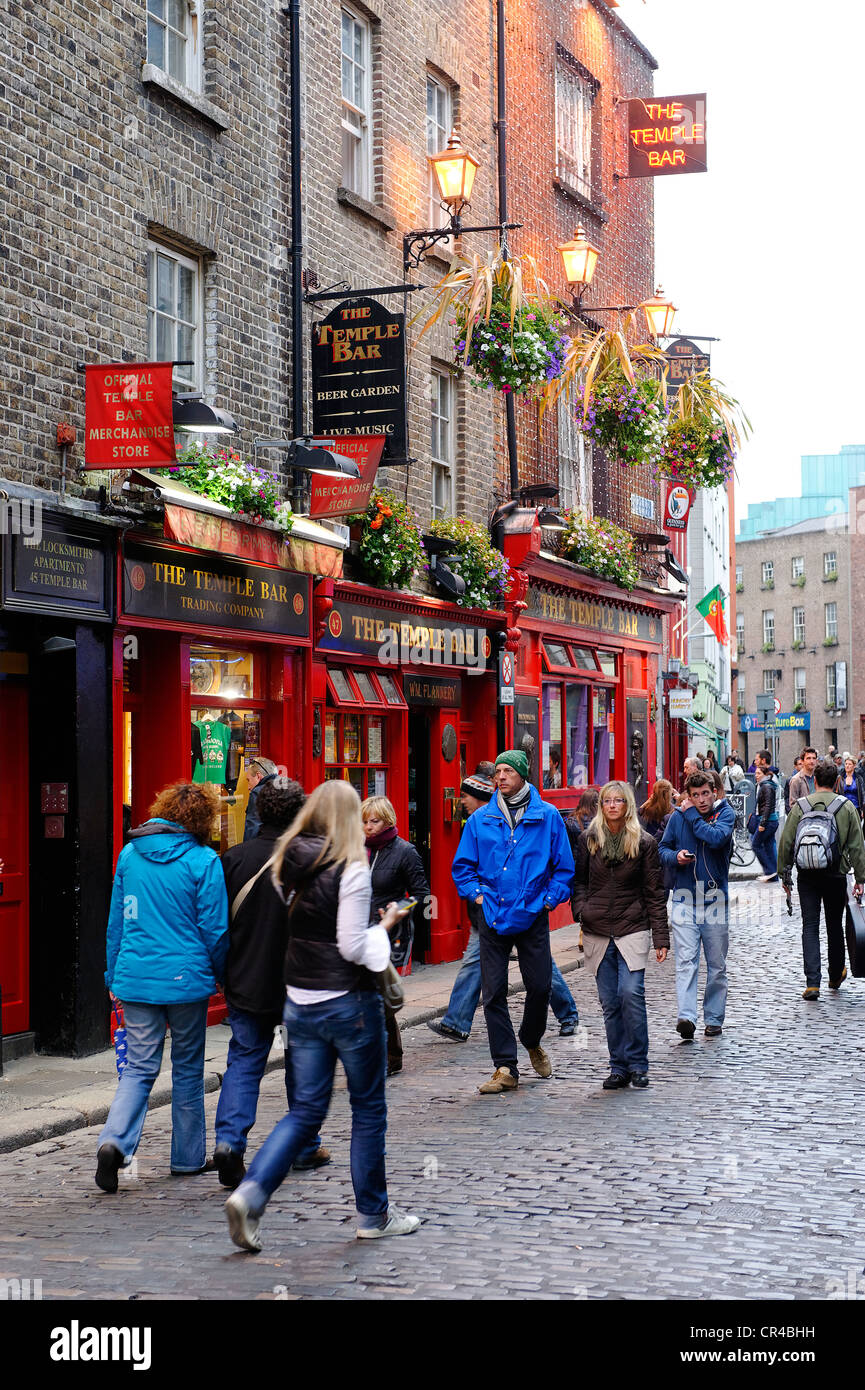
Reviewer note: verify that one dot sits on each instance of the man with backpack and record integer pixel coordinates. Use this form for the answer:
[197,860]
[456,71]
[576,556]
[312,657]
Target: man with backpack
[823,838]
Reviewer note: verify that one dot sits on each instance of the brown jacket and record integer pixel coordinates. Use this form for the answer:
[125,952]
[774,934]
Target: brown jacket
[623,898]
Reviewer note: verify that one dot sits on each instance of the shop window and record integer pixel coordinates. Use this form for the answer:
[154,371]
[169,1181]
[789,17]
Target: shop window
[223,672]
[601,735]
[174,300]
[556,653]
[342,687]
[584,658]
[391,691]
[355,741]
[607,663]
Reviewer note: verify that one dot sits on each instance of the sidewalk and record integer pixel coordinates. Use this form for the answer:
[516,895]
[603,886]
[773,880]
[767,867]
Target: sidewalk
[44,1096]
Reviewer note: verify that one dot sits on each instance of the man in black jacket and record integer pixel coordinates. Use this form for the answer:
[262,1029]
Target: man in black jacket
[259,773]
[253,979]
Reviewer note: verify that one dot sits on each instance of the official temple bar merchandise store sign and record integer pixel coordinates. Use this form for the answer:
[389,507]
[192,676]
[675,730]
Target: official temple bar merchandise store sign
[679,502]
[128,416]
[666,135]
[358,374]
[331,495]
[179,586]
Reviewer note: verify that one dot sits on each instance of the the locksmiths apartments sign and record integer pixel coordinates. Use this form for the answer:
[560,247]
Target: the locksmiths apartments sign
[358,374]
[576,610]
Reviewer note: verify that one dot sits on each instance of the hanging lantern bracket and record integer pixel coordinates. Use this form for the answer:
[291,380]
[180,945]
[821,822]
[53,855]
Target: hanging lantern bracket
[416,245]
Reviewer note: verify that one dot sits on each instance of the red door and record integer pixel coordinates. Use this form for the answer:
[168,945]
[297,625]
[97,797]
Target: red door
[14,916]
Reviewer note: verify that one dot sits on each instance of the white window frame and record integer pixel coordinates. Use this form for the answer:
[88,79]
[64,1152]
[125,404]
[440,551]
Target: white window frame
[575,95]
[831,615]
[185,378]
[740,631]
[797,566]
[800,686]
[437,136]
[356,120]
[770,682]
[740,575]
[442,437]
[798,624]
[768,571]
[768,626]
[191,75]
[575,468]
[740,692]
[831,686]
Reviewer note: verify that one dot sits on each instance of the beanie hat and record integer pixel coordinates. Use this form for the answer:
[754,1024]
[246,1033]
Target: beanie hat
[478,786]
[515,758]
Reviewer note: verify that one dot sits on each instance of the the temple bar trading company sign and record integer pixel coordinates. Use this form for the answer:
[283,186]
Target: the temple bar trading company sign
[666,135]
[593,614]
[129,416]
[178,586]
[358,374]
[416,639]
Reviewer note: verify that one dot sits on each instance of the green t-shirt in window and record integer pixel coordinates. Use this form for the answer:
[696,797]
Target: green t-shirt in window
[215,739]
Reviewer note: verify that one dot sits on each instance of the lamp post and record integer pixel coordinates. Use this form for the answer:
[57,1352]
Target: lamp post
[580,259]
[454,170]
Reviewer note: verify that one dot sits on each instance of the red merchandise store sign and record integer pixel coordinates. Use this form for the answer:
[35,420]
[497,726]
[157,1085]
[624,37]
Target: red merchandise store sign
[211,670]
[404,705]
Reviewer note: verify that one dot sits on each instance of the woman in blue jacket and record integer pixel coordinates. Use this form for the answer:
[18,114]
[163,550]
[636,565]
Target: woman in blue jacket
[166,948]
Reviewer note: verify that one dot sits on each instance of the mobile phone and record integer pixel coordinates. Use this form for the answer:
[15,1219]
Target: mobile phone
[689,854]
[407,904]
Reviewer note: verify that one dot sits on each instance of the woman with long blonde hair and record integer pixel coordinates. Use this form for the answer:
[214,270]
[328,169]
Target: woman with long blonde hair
[333,1011]
[620,898]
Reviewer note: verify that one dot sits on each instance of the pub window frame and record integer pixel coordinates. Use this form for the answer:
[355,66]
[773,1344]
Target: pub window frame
[590,678]
[338,709]
[442,437]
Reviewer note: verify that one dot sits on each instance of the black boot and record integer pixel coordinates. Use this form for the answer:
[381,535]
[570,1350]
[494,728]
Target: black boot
[229,1165]
[109,1161]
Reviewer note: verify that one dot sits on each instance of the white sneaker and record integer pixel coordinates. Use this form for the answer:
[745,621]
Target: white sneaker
[243,1228]
[399,1223]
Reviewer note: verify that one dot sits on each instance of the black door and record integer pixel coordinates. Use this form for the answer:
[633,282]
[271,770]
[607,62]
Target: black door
[419,814]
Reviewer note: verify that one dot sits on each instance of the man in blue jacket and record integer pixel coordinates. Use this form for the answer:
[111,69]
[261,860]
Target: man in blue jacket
[515,862]
[696,848]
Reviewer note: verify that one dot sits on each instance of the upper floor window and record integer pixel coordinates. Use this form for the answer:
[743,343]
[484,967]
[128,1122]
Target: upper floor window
[439,124]
[442,443]
[356,103]
[173,30]
[798,624]
[740,631]
[740,576]
[174,312]
[831,686]
[576,91]
[768,627]
[768,572]
[798,566]
[830,564]
[831,621]
[574,461]
[770,680]
[799,693]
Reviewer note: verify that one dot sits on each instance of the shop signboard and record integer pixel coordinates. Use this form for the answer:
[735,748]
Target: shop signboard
[754,724]
[681,704]
[433,690]
[331,495]
[212,591]
[593,614]
[129,415]
[678,503]
[61,569]
[358,374]
[408,639]
[684,360]
[506,677]
[205,531]
[666,135]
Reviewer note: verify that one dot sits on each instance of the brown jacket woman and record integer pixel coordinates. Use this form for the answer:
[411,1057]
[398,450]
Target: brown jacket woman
[615,900]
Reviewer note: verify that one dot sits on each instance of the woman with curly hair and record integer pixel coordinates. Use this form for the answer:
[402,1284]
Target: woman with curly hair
[166,947]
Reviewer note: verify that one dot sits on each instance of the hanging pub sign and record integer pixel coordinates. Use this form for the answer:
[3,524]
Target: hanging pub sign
[666,135]
[685,360]
[358,375]
[331,495]
[128,415]
[679,501]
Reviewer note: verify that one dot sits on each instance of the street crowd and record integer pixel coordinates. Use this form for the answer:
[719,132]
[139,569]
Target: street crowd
[308,924]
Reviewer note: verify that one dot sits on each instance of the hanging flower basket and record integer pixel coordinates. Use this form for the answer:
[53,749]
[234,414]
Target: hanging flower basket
[697,452]
[485,570]
[390,544]
[601,546]
[226,476]
[628,419]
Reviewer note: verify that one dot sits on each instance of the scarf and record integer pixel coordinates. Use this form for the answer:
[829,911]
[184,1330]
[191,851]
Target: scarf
[375,842]
[613,849]
[513,808]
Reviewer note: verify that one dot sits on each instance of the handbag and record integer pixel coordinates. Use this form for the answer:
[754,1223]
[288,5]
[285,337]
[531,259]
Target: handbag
[753,822]
[390,987]
[121,1060]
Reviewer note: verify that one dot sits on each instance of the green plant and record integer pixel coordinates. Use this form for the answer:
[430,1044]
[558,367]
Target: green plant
[830,578]
[390,544]
[739,586]
[768,647]
[828,708]
[770,584]
[227,477]
[798,706]
[600,546]
[797,645]
[830,641]
[627,419]
[799,581]
[485,570]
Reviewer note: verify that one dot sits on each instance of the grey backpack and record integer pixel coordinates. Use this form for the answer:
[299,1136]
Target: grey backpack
[818,844]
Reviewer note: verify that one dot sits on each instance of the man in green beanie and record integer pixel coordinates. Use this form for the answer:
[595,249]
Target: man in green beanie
[514,860]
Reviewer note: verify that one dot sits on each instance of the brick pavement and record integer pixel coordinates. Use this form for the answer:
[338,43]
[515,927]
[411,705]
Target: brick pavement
[738,1174]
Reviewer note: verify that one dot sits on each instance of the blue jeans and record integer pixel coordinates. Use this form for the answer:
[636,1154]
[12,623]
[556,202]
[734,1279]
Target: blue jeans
[349,1029]
[466,992]
[248,1051]
[145,1037]
[765,848]
[622,993]
[691,926]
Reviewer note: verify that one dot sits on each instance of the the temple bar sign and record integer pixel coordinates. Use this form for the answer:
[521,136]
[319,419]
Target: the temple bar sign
[358,375]
[666,135]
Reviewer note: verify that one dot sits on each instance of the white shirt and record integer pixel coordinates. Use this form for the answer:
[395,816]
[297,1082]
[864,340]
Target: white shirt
[356,940]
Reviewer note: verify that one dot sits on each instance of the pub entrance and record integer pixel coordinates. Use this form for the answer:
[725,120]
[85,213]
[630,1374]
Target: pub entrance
[419,820]
[14,915]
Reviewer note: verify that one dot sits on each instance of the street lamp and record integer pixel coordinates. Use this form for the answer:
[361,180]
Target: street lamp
[192,415]
[454,171]
[660,313]
[579,258]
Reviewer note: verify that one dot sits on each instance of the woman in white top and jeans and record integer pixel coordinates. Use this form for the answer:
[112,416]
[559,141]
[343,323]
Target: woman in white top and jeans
[332,1012]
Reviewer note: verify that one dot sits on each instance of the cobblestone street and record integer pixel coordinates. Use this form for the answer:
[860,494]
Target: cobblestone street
[739,1173]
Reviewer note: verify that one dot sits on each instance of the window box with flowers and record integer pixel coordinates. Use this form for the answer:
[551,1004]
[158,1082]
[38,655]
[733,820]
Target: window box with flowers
[831,578]
[799,581]
[740,586]
[798,707]
[485,570]
[768,647]
[798,645]
[770,584]
[390,541]
[830,641]
[225,476]
[600,546]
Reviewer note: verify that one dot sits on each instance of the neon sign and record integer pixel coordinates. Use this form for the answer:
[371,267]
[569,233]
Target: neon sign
[666,135]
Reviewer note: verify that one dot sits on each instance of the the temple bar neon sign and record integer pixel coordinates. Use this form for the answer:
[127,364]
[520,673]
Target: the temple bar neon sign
[666,135]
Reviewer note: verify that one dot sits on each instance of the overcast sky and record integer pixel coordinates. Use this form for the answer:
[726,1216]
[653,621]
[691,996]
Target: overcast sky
[765,251]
